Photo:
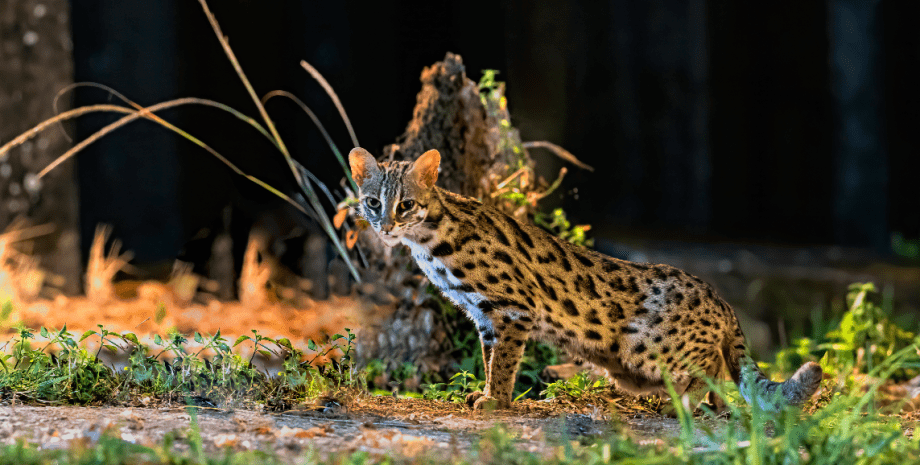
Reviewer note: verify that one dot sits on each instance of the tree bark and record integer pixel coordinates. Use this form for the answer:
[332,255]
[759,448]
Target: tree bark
[478,150]
[35,64]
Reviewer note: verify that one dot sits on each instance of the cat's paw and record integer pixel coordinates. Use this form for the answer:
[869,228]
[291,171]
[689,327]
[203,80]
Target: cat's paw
[489,403]
[472,397]
[486,403]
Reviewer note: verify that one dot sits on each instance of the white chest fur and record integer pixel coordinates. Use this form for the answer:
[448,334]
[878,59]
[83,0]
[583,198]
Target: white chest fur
[439,274]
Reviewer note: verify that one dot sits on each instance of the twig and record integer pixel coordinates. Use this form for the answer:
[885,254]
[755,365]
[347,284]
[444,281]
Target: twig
[559,151]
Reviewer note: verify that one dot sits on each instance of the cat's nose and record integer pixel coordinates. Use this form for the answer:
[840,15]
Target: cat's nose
[386,227]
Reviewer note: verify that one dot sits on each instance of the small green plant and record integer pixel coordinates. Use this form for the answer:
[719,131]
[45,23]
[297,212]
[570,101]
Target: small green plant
[557,224]
[460,385]
[575,387]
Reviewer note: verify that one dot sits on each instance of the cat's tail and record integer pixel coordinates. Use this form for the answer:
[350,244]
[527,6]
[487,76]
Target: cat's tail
[770,395]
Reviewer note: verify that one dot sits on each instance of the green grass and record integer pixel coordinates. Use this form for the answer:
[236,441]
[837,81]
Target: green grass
[53,366]
[844,426]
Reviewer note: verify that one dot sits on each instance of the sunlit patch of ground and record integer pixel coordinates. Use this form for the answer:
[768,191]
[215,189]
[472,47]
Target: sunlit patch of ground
[379,425]
[150,307]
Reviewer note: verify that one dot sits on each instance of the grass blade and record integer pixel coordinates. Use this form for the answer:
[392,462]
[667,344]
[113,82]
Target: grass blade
[320,213]
[319,125]
[335,98]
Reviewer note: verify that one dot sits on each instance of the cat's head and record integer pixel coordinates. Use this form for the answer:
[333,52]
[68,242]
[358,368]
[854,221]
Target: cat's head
[394,195]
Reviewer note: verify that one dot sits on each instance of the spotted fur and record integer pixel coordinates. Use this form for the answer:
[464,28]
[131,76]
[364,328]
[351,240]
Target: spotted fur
[515,281]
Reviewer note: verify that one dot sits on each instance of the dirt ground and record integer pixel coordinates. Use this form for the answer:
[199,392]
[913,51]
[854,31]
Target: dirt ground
[376,424]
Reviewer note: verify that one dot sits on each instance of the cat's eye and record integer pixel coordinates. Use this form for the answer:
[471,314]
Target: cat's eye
[406,205]
[372,203]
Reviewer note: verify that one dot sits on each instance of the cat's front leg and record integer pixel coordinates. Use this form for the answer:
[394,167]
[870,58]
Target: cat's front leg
[487,340]
[506,352]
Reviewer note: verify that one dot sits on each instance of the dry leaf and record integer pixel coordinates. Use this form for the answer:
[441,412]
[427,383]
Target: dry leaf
[351,237]
[226,440]
[339,218]
[264,430]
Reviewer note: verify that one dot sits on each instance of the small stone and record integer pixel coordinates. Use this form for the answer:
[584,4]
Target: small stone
[30,38]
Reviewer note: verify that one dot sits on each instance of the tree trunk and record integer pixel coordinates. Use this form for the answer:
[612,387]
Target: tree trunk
[35,64]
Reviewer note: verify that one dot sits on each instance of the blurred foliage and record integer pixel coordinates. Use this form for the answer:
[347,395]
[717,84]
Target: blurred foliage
[557,224]
[864,338]
[905,248]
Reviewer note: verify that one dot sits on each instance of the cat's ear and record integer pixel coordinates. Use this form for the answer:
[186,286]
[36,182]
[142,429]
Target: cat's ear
[425,169]
[363,165]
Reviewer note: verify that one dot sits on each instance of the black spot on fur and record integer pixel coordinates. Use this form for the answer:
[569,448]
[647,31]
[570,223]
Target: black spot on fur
[615,347]
[442,249]
[585,285]
[469,265]
[609,266]
[639,348]
[458,273]
[463,288]
[521,250]
[630,330]
[503,257]
[657,319]
[491,278]
[633,284]
[485,222]
[585,261]
[594,335]
[464,239]
[569,307]
[485,306]
[615,313]
[656,290]
[566,265]
[520,233]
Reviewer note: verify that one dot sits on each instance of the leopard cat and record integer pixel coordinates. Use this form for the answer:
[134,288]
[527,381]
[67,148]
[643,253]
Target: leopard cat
[516,282]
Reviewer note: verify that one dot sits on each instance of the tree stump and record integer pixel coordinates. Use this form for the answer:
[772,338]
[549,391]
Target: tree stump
[479,149]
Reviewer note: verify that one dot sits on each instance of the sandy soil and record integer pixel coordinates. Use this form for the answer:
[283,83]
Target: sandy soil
[377,424]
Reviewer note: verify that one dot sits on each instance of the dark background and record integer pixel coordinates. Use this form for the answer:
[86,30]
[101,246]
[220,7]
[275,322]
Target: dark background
[711,120]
